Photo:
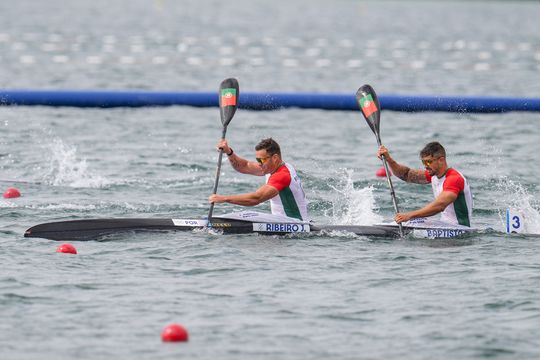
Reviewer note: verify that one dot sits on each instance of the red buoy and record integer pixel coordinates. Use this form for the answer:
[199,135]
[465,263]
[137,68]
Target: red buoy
[66,248]
[12,193]
[174,333]
[382,172]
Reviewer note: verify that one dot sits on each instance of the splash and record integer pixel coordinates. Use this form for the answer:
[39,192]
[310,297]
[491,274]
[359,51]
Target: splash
[7,204]
[353,206]
[515,195]
[67,170]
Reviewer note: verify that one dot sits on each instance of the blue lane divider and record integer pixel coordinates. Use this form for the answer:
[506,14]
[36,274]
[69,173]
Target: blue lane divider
[264,101]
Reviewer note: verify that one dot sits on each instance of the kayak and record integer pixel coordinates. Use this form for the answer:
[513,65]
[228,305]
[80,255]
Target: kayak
[243,222]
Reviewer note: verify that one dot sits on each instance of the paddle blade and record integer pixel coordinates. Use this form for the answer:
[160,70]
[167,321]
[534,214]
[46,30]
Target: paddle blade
[369,104]
[228,99]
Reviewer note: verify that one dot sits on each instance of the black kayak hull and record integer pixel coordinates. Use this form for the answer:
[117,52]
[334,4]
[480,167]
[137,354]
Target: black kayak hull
[95,229]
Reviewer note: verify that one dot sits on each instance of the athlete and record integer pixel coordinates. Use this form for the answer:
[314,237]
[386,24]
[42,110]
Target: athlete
[283,186]
[452,194]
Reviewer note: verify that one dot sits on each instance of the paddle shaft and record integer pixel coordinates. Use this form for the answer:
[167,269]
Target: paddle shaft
[392,192]
[218,171]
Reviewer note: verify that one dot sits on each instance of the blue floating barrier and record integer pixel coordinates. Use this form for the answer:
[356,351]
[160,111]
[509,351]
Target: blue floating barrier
[264,101]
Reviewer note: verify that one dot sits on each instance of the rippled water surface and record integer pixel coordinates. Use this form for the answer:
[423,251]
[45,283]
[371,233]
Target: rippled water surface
[330,296]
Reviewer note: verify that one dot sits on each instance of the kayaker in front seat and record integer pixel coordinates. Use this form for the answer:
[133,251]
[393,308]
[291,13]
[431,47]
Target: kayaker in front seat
[283,186]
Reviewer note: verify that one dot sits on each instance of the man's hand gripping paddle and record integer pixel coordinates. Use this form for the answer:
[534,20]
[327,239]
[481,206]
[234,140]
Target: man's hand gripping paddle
[369,104]
[228,102]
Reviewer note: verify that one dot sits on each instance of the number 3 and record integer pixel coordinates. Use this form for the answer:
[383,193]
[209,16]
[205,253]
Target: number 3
[517,222]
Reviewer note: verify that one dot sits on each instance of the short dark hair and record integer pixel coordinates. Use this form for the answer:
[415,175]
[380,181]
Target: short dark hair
[270,145]
[434,149]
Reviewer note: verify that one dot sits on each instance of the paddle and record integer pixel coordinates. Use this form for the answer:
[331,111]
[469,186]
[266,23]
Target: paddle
[228,100]
[369,104]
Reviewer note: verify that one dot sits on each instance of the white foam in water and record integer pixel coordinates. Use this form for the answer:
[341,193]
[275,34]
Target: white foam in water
[296,42]
[256,61]
[60,59]
[255,50]
[94,60]
[323,62]
[484,55]
[449,65]
[193,61]
[424,45]
[290,62]
[109,39]
[181,47]
[321,42]
[353,63]
[499,46]
[66,206]
[524,46]
[387,64]
[7,204]
[67,170]
[353,206]
[108,48]
[55,38]
[127,60]
[48,47]
[285,51]
[398,53]
[160,60]
[226,50]
[418,64]
[313,52]
[18,46]
[372,53]
[346,43]
[482,66]
[190,40]
[473,45]
[459,44]
[372,43]
[137,48]
[27,59]
[227,61]
[514,195]
[242,41]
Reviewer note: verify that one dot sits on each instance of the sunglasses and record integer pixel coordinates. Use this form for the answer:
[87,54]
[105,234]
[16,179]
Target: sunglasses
[430,161]
[263,160]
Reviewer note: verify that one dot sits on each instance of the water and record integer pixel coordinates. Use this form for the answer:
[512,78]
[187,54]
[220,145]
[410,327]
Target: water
[333,296]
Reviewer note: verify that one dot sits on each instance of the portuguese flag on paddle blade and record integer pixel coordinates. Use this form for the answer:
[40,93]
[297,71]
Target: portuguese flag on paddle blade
[367,105]
[228,97]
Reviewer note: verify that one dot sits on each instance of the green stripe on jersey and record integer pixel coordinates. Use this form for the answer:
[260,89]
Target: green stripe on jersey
[462,212]
[289,203]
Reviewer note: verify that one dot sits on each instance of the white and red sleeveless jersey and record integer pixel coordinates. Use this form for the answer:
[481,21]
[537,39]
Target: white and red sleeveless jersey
[460,211]
[291,200]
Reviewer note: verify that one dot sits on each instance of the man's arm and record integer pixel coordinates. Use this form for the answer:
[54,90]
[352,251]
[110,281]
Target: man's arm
[403,172]
[244,166]
[262,194]
[436,206]
[239,164]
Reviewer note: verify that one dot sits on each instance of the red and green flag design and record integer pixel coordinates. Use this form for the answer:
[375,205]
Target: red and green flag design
[367,105]
[228,97]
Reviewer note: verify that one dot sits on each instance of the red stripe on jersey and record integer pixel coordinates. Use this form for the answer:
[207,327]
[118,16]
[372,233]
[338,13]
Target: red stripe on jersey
[280,179]
[454,182]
